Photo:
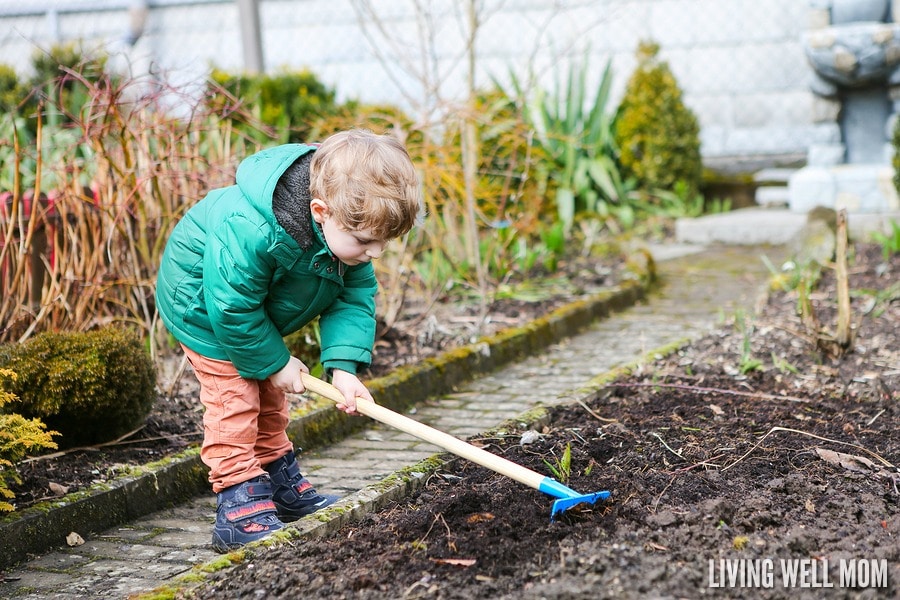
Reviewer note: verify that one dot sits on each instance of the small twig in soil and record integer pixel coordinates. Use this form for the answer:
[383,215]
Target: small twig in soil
[81,448]
[662,493]
[593,414]
[812,435]
[702,463]
[872,420]
[663,442]
[707,390]
[170,392]
[437,517]
[796,333]
[844,332]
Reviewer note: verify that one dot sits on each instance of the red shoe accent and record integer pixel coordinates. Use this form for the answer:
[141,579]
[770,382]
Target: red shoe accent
[254,527]
[250,510]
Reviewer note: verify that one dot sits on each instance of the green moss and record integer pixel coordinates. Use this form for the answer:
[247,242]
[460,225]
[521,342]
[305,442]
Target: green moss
[197,575]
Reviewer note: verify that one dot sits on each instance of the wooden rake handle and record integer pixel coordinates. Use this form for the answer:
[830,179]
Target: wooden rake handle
[429,434]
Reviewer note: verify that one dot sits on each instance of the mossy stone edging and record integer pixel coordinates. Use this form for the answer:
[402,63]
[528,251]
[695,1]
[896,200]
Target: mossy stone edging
[39,528]
[44,526]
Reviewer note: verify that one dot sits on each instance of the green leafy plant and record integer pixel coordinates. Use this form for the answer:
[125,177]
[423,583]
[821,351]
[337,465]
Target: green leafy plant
[880,299]
[579,143]
[561,467]
[747,363]
[783,365]
[890,244]
[306,344]
[13,91]
[286,104]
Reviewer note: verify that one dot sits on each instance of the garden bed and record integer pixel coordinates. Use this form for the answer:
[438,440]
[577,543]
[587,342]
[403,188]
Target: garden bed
[725,480]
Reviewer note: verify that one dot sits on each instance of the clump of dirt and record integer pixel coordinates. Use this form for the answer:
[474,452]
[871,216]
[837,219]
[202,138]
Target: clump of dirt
[748,445]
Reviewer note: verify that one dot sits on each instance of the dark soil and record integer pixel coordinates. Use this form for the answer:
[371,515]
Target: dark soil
[791,459]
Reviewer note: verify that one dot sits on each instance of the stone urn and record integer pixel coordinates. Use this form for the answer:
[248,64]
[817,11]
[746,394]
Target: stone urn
[853,49]
[857,48]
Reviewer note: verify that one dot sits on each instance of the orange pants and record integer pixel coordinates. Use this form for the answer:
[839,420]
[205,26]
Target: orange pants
[243,425]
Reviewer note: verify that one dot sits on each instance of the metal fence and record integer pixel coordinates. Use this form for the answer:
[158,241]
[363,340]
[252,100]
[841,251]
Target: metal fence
[740,63]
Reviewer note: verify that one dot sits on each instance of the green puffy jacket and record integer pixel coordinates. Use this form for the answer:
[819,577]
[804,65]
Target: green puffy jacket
[233,282]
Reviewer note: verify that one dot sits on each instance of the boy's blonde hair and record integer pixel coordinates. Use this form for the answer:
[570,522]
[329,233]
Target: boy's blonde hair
[367,181]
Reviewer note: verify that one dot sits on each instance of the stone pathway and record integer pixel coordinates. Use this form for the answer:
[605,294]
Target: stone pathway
[701,287]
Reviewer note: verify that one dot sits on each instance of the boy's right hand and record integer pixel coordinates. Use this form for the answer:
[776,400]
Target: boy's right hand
[288,378]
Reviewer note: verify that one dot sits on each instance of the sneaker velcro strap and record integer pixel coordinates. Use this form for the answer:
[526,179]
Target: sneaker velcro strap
[259,489]
[303,485]
[249,510]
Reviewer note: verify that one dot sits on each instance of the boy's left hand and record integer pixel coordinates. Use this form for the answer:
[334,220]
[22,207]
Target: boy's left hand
[351,387]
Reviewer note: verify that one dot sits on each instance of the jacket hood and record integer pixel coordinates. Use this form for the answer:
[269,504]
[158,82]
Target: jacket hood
[258,174]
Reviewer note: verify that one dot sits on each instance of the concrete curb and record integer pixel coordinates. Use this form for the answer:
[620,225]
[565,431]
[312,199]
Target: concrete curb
[157,486]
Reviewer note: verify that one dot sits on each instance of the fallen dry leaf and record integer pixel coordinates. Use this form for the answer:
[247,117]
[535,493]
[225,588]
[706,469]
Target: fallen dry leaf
[850,462]
[480,517]
[58,490]
[73,539]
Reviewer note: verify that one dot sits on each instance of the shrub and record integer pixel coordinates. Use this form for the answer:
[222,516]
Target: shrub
[91,387]
[287,102]
[656,133]
[18,437]
[12,89]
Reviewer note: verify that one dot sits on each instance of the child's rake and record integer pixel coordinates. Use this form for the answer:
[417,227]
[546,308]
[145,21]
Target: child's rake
[567,497]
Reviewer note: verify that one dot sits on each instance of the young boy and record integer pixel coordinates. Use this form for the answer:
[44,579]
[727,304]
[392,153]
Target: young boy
[291,241]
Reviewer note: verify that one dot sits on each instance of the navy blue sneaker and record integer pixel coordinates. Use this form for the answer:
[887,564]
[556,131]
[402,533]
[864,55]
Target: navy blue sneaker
[294,495]
[244,513]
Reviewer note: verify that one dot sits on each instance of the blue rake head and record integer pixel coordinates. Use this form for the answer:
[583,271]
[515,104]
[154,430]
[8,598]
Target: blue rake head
[568,497]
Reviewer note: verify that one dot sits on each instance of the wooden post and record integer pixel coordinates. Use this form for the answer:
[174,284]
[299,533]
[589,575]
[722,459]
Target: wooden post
[843,333]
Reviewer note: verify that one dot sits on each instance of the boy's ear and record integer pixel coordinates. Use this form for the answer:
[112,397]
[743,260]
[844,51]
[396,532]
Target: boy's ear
[319,210]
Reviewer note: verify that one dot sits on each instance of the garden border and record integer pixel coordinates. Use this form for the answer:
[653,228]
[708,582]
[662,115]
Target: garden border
[159,485]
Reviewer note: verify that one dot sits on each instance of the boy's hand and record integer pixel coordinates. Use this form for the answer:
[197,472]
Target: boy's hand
[351,387]
[288,378]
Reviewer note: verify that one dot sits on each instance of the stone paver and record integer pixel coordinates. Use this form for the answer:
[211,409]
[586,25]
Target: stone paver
[699,290]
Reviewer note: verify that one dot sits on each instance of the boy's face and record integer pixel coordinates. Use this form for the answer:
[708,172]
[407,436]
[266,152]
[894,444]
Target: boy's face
[351,247]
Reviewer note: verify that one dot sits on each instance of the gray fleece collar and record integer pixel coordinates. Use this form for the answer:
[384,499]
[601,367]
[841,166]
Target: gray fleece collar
[290,202]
